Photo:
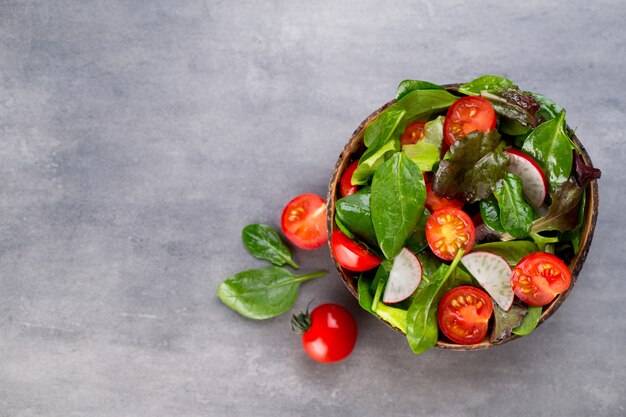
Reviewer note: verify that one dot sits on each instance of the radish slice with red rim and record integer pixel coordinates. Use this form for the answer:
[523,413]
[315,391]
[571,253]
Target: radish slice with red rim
[404,278]
[493,273]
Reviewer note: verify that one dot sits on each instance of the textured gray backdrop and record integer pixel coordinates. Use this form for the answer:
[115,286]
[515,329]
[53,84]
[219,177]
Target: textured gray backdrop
[139,137]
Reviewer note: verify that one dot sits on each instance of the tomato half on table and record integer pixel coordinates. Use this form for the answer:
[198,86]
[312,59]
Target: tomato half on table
[304,221]
[352,255]
[413,133]
[448,230]
[464,313]
[345,185]
[434,202]
[539,277]
[467,115]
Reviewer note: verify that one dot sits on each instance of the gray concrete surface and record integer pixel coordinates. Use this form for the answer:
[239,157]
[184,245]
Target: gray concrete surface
[139,137]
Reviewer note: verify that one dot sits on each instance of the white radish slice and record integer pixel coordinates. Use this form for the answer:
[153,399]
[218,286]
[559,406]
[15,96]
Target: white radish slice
[493,273]
[404,278]
[534,184]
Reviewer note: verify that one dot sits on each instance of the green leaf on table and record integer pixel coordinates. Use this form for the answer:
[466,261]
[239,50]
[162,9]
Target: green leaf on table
[476,162]
[396,203]
[516,215]
[551,147]
[262,293]
[485,83]
[490,213]
[512,251]
[353,212]
[408,86]
[529,322]
[264,242]
[506,321]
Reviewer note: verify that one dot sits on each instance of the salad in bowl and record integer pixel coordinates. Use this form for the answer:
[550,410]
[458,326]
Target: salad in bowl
[460,215]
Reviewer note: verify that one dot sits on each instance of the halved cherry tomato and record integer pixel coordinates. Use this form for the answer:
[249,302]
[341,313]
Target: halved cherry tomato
[434,202]
[329,333]
[539,277]
[345,186]
[448,230]
[464,313]
[304,221]
[467,115]
[352,255]
[413,133]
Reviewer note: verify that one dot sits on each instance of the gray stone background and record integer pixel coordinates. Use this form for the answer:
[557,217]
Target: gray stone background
[139,137]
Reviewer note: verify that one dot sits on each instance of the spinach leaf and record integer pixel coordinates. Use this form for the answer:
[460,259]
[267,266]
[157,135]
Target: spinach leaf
[476,162]
[380,130]
[485,83]
[422,104]
[417,241]
[408,86]
[512,251]
[422,330]
[506,321]
[372,159]
[343,228]
[264,242]
[514,105]
[516,216]
[353,212]
[529,322]
[423,154]
[563,213]
[365,297]
[490,213]
[548,109]
[433,132]
[551,147]
[392,315]
[396,203]
[542,241]
[430,263]
[262,293]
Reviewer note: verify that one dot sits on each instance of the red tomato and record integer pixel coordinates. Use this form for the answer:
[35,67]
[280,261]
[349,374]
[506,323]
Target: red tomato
[464,314]
[328,334]
[304,221]
[467,115]
[448,230]
[434,202]
[345,186]
[413,133]
[352,255]
[539,277]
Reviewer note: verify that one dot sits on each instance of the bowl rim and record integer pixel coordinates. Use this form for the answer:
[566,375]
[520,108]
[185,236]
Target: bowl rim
[349,278]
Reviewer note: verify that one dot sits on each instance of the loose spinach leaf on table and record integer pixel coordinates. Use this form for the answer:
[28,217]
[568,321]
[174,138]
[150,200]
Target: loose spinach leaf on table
[476,162]
[551,147]
[262,293]
[506,321]
[516,216]
[512,251]
[485,83]
[408,86]
[353,212]
[396,202]
[514,105]
[529,322]
[264,242]
[490,213]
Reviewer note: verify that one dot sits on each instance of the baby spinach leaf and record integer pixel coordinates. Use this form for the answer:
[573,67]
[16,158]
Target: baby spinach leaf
[423,154]
[515,105]
[529,322]
[563,212]
[551,147]
[262,293]
[392,315]
[548,109]
[476,162]
[422,330]
[490,213]
[512,251]
[542,241]
[396,202]
[373,158]
[422,104]
[516,216]
[380,130]
[365,297]
[343,228]
[506,321]
[433,132]
[264,242]
[353,212]
[485,83]
[417,241]
[408,86]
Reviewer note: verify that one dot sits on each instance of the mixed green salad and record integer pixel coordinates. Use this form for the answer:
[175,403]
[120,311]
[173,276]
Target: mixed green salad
[462,211]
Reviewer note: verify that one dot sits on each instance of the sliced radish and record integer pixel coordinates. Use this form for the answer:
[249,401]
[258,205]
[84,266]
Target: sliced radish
[534,182]
[493,273]
[404,277]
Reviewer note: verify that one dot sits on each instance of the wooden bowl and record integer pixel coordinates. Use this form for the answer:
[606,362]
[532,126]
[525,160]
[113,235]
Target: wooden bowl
[352,151]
